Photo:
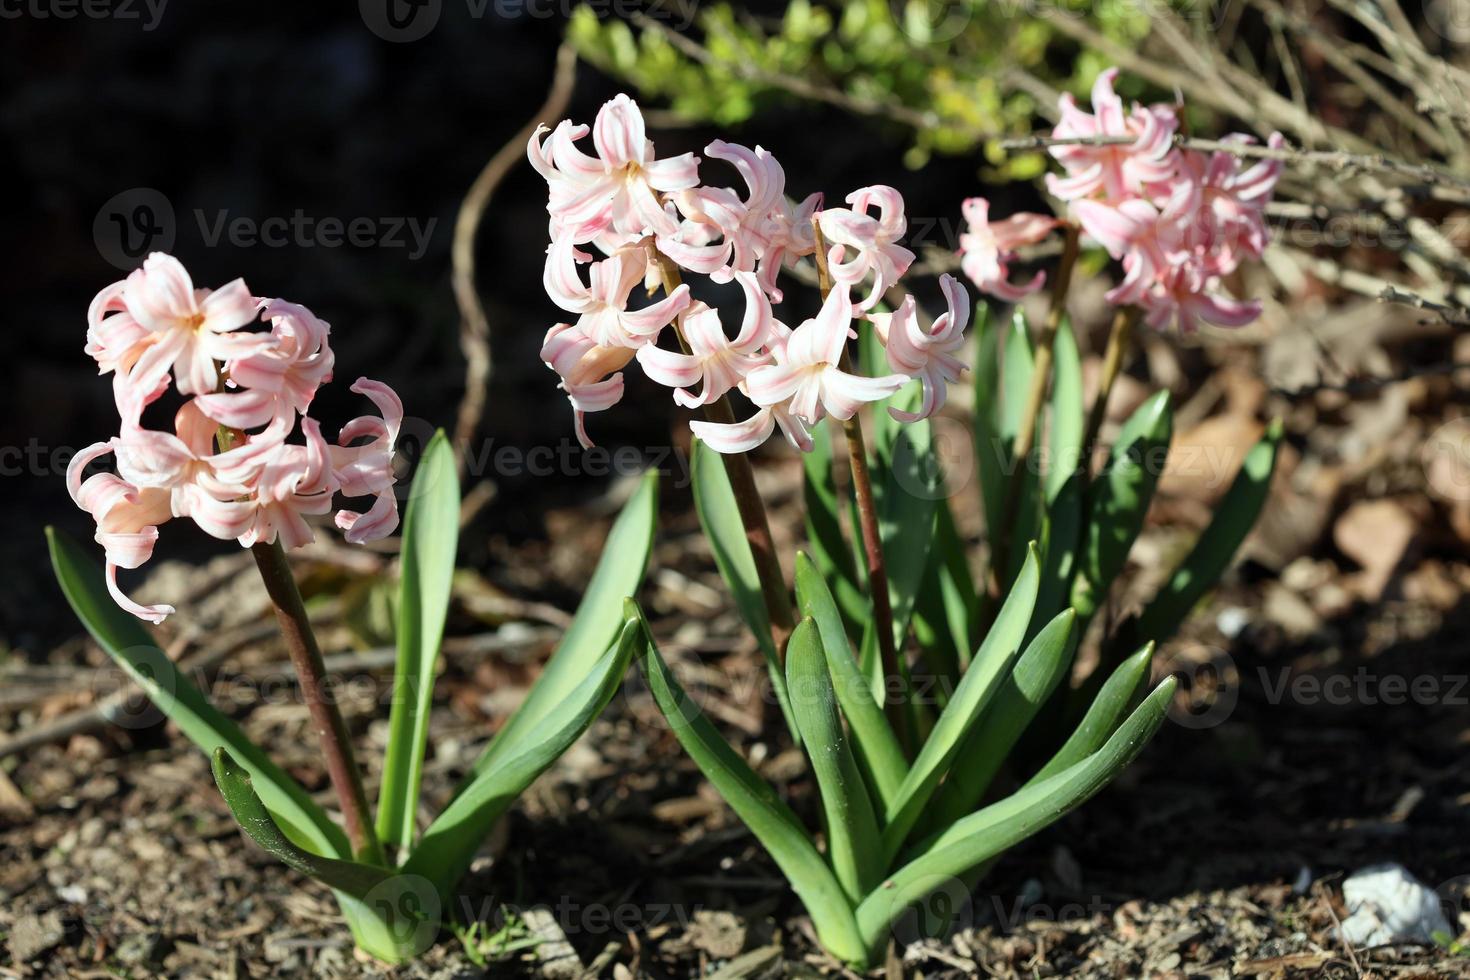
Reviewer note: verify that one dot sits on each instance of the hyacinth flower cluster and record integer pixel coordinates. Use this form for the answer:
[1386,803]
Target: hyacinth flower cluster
[622,218]
[230,464]
[1178,219]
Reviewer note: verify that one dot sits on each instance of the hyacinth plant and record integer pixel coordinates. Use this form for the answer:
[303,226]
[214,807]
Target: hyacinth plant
[918,793]
[232,468]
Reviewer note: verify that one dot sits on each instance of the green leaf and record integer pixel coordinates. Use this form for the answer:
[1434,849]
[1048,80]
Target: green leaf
[255,820]
[1036,674]
[1216,547]
[990,456]
[957,591]
[1017,366]
[1067,422]
[830,550]
[1002,825]
[992,662]
[877,746]
[719,515]
[1107,709]
[452,839]
[430,540]
[1061,535]
[1120,498]
[852,829]
[598,621]
[758,806]
[128,643]
[906,520]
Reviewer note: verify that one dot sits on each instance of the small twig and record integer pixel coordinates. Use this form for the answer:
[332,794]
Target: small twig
[862,105]
[100,715]
[1453,315]
[1369,385]
[474,331]
[1336,159]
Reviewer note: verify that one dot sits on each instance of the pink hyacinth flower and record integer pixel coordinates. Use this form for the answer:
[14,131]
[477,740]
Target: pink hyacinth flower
[191,329]
[613,197]
[294,482]
[203,485]
[604,316]
[127,520]
[1230,224]
[719,362]
[807,376]
[591,374]
[1184,296]
[988,247]
[366,469]
[747,228]
[741,437]
[1118,170]
[928,355]
[280,380]
[873,240]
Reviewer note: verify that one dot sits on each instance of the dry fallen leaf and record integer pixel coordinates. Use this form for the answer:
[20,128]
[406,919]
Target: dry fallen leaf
[1376,534]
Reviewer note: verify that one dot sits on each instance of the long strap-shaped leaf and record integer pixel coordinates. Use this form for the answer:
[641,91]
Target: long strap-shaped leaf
[1036,674]
[991,663]
[1201,569]
[830,550]
[980,837]
[1067,425]
[450,843]
[430,539]
[596,625]
[877,746]
[719,515]
[758,806]
[957,593]
[852,829]
[1111,704]
[128,643]
[906,515]
[1120,498]
[235,785]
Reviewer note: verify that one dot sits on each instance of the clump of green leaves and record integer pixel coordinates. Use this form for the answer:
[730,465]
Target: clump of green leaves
[395,909]
[1004,747]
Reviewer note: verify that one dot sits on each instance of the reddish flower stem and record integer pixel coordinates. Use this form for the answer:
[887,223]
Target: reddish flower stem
[862,486]
[331,728]
[747,496]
